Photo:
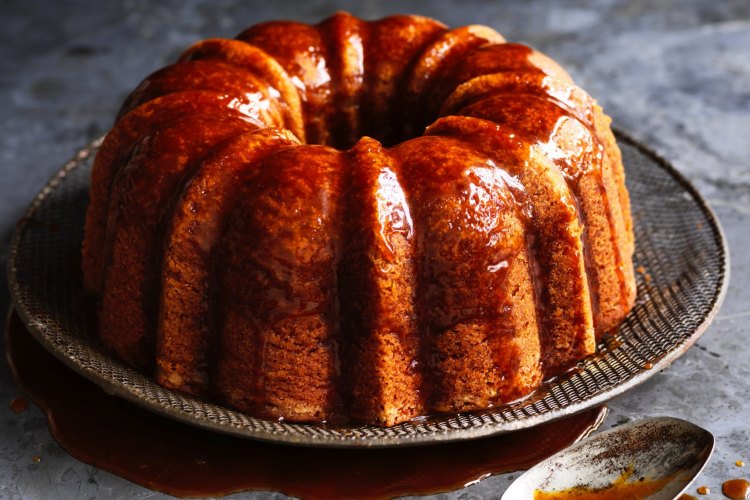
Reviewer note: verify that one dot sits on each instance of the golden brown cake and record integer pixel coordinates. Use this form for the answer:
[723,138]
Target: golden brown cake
[272,226]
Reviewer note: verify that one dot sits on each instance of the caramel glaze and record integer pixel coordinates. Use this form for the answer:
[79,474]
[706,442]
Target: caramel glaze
[141,195]
[448,273]
[180,460]
[305,58]
[422,98]
[553,237]
[558,117]
[534,115]
[378,279]
[183,329]
[625,487]
[276,280]
[556,132]
[344,39]
[621,491]
[251,58]
[116,149]
[248,90]
[393,45]
[457,207]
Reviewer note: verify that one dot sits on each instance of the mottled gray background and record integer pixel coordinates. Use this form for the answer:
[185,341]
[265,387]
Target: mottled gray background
[675,74]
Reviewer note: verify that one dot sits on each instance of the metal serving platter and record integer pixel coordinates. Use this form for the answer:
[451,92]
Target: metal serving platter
[683,273]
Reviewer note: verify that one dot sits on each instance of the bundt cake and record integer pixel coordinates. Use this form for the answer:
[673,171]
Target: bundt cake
[271,225]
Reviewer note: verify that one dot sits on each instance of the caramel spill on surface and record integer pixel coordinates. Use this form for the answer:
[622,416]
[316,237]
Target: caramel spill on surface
[736,489]
[18,405]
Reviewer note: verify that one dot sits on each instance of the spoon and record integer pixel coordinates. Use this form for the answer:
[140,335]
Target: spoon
[656,458]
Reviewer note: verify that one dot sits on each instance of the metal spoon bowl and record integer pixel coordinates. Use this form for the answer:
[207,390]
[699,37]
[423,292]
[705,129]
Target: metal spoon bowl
[664,454]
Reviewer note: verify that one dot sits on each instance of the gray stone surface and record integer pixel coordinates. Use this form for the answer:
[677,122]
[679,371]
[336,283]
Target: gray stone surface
[673,73]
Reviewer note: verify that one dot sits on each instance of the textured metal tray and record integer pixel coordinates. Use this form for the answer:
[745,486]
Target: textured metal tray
[683,275]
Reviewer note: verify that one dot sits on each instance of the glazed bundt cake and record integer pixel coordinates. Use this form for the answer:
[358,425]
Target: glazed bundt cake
[271,225]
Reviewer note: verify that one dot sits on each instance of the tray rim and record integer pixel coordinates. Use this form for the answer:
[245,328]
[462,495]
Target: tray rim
[35,327]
